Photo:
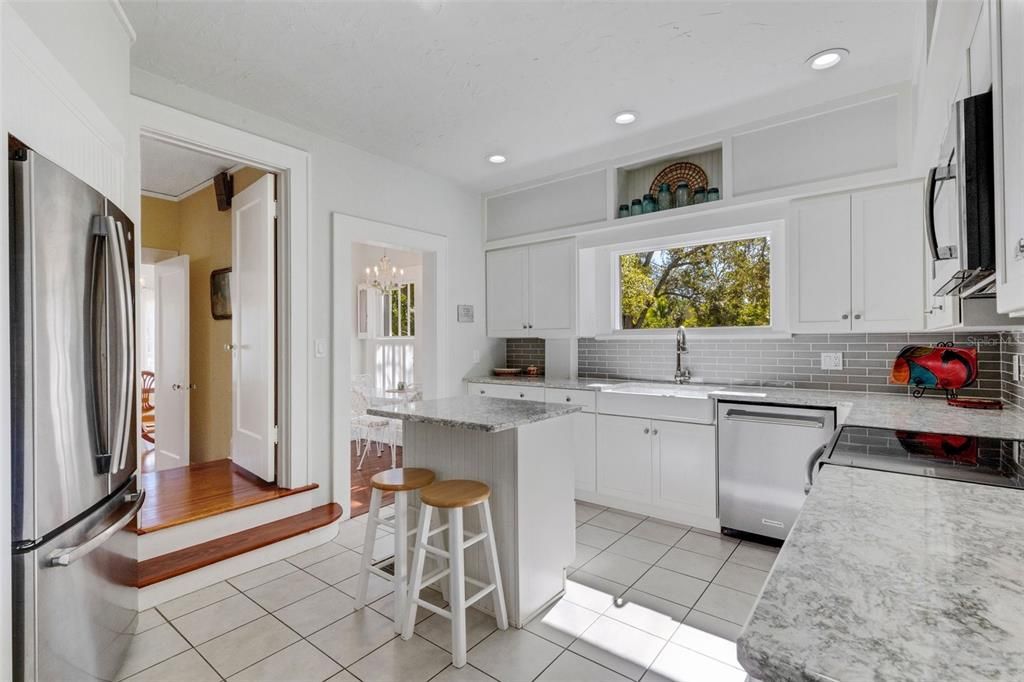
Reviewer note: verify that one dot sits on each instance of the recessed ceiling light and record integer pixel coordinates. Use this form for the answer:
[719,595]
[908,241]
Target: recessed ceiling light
[624,118]
[497,158]
[826,59]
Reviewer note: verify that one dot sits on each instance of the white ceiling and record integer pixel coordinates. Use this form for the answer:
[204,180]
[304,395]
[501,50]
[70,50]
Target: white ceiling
[440,85]
[172,171]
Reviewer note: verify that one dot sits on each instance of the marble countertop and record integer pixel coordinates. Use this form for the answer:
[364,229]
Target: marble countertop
[880,410]
[475,412]
[894,577]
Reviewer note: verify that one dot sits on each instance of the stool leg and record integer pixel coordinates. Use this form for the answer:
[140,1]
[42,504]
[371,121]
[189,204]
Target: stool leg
[401,556]
[368,542]
[492,566]
[418,556]
[457,590]
[438,561]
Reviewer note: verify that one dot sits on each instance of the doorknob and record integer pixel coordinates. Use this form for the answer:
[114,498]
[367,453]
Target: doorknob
[176,387]
[229,347]
[192,387]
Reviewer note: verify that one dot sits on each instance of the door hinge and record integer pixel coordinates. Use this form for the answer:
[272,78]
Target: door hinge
[273,433]
[277,209]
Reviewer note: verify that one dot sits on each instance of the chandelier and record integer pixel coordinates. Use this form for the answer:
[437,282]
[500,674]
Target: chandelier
[384,276]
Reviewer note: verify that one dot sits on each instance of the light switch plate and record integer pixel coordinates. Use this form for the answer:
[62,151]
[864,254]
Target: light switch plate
[831,360]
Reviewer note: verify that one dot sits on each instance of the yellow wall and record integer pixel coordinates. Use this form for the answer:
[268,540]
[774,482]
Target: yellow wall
[194,227]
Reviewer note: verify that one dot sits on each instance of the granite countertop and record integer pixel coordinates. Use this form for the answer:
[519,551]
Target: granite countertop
[894,577]
[879,410]
[475,412]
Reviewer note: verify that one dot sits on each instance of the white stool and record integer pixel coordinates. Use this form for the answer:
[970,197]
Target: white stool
[401,482]
[455,496]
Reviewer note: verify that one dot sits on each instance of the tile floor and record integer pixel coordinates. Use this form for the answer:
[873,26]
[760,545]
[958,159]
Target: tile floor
[645,601]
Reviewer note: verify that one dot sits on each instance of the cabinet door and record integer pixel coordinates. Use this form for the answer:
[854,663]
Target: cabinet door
[686,473]
[624,466]
[1008,50]
[553,289]
[887,240]
[819,233]
[507,298]
[584,443]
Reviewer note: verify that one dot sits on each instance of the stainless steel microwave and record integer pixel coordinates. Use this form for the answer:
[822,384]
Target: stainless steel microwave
[960,203]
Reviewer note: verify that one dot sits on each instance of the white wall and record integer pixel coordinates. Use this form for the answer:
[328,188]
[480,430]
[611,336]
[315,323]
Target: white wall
[348,180]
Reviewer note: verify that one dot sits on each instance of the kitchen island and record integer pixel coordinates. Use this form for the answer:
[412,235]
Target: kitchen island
[523,451]
[894,577]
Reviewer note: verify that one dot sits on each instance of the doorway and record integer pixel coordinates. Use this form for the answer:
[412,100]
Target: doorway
[207,302]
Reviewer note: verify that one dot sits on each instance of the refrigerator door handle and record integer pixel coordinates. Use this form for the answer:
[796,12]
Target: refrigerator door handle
[69,555]
[127,330]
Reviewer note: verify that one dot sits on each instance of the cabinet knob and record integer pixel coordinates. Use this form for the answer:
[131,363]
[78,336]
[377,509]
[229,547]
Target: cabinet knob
[646,431]
[654,432]
[522,395]
[530,326]
[857,316]
[524,325]
[568,399]
[846,316]
[483,392]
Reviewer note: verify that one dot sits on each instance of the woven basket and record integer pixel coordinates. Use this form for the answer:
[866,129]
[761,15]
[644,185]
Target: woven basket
[684,171]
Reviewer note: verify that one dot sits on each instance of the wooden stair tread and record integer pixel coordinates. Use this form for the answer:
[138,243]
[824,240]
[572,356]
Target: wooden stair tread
[198,491]
[173,564]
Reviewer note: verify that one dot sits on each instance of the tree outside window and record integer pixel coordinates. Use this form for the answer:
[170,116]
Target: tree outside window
[722,284]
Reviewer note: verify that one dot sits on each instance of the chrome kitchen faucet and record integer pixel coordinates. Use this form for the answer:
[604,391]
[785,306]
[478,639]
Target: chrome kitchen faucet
[682,375]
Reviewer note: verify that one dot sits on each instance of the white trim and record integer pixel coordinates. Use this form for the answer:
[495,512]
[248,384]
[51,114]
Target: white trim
[189,192]
[126,23]
[347,230]
[293,167]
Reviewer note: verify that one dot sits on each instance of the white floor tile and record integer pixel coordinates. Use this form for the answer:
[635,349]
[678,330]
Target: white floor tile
[148,620]
[562,623]
[316,611]
[195,600]
[659,531]
[676,587]
[214,620]
[354,636]
[594,536]
[343,676]
[676,664]
[300,662]
[336,568]
[315,554]
[646,612]
[618,646]
[285,590]
[261,575]
[385,606]
[151,647]
[237,650]
[754,557]
[617,568]
[376,588]
[742,578]
[513,655]
[691,563]
[719,547]
[585,512]
[438,629]
[638,548]
[591,592]
[719,627]
[726,603]
[188,665]
[713,646]
[352,534]
[584,553]
[413,660]
[570,667]
[620,522]
[466,673]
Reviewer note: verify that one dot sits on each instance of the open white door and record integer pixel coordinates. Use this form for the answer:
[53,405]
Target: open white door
[171,363]
[253,427]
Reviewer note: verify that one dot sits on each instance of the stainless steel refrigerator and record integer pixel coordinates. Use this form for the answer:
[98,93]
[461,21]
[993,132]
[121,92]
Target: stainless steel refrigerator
[73,425]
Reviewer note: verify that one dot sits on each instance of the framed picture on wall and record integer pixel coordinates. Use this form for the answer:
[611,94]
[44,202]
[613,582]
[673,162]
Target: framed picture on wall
[220,294]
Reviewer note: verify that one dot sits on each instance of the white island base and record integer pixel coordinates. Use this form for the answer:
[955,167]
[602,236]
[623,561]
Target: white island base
[530,471]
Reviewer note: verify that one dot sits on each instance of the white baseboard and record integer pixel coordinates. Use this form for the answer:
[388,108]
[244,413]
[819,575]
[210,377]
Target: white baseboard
[222,570]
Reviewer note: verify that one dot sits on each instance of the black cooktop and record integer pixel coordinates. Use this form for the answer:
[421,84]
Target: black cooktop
[974,459]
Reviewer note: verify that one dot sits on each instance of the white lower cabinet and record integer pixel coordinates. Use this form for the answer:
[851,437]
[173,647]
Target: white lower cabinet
[584,441]
[666,469]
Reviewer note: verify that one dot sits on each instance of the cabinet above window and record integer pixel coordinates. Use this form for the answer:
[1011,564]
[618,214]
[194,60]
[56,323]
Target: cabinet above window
[531,291]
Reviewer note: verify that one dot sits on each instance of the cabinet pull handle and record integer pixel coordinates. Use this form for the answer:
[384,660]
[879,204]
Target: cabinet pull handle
[654,432]
[846,316]
[524,325]
[531,326]
[646,431]
[857,316]
[483,392]
[568,399]
[522,395]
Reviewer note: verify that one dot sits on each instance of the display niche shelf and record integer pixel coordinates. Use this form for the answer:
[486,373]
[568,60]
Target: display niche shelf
[634,181]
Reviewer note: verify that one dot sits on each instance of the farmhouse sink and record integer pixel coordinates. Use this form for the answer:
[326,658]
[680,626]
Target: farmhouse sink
[700,391]
[670,402]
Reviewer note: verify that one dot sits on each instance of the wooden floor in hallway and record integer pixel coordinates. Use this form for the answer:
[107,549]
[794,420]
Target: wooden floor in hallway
[371,465]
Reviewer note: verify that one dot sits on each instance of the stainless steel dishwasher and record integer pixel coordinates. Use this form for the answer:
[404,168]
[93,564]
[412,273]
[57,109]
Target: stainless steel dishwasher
[762,463]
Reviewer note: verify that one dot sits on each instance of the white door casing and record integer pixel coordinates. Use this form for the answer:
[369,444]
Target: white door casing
[252,329]
[171,365]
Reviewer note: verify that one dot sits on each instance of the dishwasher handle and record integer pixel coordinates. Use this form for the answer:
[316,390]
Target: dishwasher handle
[812,465]
[778,418]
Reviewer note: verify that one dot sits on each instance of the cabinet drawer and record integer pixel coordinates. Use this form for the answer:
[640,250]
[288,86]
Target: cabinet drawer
[588,399]
[508,391]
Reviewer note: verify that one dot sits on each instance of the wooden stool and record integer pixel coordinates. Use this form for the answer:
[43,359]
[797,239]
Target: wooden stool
[401,482]
[455,496]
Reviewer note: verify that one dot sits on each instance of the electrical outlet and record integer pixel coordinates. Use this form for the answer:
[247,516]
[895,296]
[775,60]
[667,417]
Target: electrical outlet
[831,360]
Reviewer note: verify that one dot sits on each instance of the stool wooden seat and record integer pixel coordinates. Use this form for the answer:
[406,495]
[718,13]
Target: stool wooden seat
[402,480]
[455,494]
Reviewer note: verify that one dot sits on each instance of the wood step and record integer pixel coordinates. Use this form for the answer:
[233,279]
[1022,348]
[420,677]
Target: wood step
[183,561]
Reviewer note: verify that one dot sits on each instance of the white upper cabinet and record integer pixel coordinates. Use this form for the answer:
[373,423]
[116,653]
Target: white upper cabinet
[531,290]
[856,261]
[1008,91]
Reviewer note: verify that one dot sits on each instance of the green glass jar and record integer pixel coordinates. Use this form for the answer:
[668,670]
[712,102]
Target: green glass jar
[699,195]
[636,208]
[713,194]
[623,210]
[682,195]
[664,197]
[649,206]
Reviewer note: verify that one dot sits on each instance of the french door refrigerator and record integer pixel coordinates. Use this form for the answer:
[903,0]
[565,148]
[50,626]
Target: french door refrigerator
[73,425]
